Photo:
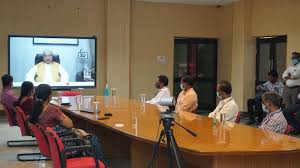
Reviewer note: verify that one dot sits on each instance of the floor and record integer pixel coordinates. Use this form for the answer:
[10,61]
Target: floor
[8,155]
[8,158]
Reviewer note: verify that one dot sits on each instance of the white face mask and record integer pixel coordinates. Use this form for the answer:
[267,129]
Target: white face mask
[265,108]
[182,86]
[218,95]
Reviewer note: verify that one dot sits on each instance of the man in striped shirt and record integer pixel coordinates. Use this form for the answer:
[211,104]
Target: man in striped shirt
[274,121]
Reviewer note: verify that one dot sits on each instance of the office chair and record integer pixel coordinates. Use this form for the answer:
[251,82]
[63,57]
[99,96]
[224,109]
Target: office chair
[58,154]
[13,122]
[9,115]
[26,131]
[238,118]
[40,134]
[41,139]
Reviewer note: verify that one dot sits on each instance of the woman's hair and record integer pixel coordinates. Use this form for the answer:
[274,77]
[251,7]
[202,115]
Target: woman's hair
[42,93]
[26,88]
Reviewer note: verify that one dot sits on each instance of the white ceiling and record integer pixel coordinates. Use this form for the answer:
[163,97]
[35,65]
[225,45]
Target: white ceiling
[194,2]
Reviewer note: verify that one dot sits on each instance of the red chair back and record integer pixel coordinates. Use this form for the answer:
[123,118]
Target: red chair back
[289,129]
[9,115]
[22,121]
[238,118]
[41,139]
[56,147]
[58,155]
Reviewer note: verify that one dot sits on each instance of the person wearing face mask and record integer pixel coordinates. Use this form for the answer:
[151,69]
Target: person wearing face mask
[292,78]
[274,121]
[254,105]
[292,115]
[227,105]
[187,100]
[163,91]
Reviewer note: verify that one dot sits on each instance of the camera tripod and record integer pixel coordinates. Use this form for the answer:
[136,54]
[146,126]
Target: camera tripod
[172,147]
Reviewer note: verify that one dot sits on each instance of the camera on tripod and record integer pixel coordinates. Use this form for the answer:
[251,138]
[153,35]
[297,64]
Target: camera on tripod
[170,112]
[167,118]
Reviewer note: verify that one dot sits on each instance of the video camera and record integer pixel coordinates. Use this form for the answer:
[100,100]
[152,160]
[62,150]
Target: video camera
[169,113]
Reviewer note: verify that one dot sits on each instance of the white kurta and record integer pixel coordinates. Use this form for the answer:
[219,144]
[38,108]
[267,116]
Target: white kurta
[295,73]
[163,93]
[228,107]
[64,77]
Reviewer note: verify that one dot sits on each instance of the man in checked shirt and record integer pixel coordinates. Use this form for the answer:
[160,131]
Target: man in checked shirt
[274,121]
[254,105]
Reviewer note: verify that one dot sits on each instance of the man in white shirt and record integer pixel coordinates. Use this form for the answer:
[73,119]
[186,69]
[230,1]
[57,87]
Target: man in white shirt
[292,77]
[161,84]
[47,71]
[227,105]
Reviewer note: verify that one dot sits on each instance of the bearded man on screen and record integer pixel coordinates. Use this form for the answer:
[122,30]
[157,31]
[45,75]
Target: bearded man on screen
[47,71]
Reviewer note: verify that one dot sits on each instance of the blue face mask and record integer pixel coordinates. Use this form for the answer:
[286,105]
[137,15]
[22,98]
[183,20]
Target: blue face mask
[295,61]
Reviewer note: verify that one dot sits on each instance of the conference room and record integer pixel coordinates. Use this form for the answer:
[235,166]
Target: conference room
[149,83]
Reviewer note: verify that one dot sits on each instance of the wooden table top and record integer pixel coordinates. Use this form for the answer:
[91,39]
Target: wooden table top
[141,122]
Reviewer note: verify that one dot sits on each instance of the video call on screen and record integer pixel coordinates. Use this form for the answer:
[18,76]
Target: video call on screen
[57,61]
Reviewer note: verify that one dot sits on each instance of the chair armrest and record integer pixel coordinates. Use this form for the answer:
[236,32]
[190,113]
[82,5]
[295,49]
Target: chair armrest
[65,134]
[73,140]
[77,148]
[82,149]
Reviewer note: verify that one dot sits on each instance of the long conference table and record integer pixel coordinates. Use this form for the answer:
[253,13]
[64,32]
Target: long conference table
[133,127]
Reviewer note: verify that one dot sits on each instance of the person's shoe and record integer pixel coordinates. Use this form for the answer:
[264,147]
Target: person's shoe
[250,122]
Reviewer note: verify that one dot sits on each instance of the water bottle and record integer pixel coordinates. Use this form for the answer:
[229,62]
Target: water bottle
[214,120]
[96,109]
[223,119]
[106,94]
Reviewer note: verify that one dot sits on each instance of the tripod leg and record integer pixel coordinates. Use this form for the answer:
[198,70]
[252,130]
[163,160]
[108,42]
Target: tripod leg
[174,146]
[155,149]
[170,155]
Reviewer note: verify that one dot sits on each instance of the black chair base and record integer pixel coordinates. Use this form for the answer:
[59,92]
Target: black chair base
[24,157]
[21,143]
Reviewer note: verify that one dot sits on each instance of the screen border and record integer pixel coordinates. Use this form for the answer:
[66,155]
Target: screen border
[49,36]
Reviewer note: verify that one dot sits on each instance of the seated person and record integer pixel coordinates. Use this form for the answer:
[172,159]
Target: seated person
[49,115]
[227,105]
[293,120]
[26,99]
[46,114]
[254,105]
[164,92]
[274,121]
[7,95]
[187,99]
[47,71]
